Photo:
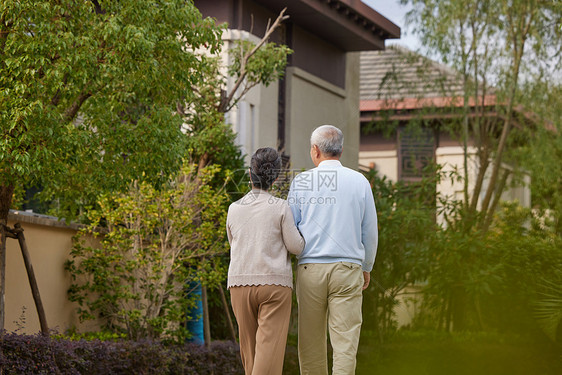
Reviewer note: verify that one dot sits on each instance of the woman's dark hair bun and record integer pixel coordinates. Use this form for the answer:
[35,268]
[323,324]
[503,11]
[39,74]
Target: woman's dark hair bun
[265,167]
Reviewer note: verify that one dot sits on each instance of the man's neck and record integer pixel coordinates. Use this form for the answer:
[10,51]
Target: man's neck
[325,159]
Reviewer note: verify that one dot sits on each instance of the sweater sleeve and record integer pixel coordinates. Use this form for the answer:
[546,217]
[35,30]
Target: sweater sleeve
[291,236]
[369,230]
[228,231]
[293,200]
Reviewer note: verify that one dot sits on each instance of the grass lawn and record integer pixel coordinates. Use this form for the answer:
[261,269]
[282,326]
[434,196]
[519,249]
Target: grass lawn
[434,353]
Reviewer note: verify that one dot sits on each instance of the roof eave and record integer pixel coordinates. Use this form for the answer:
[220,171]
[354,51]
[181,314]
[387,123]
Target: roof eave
[349,24]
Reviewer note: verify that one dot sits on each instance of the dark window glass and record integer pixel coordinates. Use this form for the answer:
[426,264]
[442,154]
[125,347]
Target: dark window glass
[416,152]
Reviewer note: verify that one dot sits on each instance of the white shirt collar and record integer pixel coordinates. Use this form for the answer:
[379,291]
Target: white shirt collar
[330,163]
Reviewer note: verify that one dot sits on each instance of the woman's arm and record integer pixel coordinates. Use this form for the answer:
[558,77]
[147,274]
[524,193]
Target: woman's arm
[291,236]
[228,232]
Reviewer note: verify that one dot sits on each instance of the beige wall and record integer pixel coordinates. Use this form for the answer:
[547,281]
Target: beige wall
[312,102]
[254,119]
[451,158]
[384,162]
[49,242]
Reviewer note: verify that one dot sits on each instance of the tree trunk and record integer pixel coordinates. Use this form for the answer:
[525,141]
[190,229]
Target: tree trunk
[227,313]
[6,193]
[518,49]
[489,216]
[458,309]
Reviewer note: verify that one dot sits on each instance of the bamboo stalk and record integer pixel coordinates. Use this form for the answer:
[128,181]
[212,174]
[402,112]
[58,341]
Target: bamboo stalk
[18,231]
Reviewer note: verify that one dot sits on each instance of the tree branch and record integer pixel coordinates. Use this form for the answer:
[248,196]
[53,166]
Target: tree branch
[224,105]
[71,111]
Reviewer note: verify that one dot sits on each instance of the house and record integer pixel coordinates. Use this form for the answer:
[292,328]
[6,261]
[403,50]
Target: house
[321,82]
[400,88]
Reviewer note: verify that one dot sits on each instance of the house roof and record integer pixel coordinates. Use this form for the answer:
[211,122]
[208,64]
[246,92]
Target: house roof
[399,73]
[349,24]
[404,81]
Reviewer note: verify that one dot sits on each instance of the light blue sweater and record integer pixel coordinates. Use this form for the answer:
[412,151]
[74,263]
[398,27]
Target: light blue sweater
[334,209]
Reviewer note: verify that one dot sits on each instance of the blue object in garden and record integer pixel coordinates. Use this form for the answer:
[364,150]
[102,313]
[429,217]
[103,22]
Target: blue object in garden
[195,323]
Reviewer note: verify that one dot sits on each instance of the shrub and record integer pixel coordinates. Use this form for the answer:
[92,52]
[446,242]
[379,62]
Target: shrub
[157,240]
[491,281]
[39,354]
[406,214]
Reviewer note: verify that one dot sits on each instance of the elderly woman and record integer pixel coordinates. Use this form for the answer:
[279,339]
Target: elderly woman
[262,233]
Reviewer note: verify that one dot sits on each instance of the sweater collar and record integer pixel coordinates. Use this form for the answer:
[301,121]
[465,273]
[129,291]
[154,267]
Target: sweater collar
[257,192]
[329,163]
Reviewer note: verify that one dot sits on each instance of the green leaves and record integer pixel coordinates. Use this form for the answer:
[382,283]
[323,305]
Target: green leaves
[548,308]
[407,232]
[88,96]
[153,241]
[265,66]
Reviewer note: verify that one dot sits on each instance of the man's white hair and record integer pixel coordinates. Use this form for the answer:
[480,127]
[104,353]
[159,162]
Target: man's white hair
[329,140]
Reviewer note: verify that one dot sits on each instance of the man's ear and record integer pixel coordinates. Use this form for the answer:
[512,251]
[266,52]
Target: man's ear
[316,151]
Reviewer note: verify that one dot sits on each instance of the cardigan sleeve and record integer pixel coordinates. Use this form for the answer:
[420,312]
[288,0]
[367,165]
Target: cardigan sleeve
[291,236]
[228,231]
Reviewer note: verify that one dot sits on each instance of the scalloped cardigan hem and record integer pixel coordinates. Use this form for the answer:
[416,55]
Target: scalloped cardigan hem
[256,280]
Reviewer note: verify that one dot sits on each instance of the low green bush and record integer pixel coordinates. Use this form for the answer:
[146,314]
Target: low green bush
[40,354]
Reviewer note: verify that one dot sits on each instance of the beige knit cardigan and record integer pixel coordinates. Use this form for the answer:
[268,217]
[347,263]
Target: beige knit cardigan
[261,232]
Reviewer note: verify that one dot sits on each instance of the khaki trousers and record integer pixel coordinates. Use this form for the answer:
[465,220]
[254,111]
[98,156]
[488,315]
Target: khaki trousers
[329,295]
[263,313]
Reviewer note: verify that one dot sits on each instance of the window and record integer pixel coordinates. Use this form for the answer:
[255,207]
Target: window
[416,151]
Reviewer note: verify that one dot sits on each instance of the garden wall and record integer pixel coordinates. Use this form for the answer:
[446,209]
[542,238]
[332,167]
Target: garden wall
[49,242]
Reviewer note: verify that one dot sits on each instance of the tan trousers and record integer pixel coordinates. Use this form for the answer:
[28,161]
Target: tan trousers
[263,314]
[329,295]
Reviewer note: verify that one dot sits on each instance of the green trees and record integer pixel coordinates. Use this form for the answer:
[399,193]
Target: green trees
[543,158]
[82,79]
[495,46]
[96,95]
[500,49]
[505,280]
[407,232]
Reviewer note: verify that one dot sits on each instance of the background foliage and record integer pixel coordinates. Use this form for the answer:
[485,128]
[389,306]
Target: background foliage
[407,230]
[154,242]
[487,265]
[89,92]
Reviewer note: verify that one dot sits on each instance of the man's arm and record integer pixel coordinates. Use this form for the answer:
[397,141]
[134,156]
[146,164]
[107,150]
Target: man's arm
[367,278]
[369,230]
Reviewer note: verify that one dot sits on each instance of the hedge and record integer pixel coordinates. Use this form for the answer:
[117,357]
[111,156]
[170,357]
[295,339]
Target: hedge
[40,354]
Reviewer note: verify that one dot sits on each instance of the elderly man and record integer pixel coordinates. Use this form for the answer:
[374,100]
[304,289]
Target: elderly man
[334,209]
